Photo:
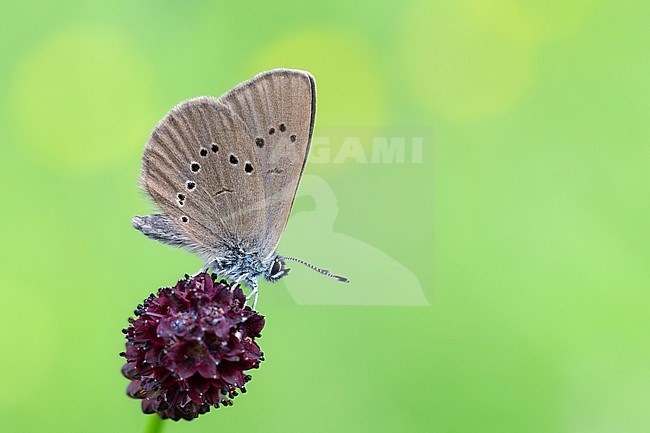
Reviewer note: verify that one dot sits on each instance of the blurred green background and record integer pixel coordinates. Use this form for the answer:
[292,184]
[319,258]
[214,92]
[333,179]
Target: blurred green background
[525,224]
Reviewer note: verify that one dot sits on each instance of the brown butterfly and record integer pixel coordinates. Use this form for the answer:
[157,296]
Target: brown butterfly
[224,173]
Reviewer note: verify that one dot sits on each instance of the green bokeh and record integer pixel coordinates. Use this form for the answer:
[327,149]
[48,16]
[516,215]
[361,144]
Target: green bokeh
[526,223]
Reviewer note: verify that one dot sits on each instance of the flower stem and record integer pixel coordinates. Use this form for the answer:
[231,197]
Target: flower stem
[154,425]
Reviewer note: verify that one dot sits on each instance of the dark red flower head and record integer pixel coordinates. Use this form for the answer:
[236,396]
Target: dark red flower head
[189,347]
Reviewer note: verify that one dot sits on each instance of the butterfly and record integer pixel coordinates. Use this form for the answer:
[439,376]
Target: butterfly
[224,173]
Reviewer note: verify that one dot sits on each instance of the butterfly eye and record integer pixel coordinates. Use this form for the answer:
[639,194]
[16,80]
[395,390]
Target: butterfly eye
[277,270]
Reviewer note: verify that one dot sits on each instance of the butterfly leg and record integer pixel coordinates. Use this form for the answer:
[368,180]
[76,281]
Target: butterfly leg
[236,284]
[253,294]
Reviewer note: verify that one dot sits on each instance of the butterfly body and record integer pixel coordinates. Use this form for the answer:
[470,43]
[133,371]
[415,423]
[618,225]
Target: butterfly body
[240,264]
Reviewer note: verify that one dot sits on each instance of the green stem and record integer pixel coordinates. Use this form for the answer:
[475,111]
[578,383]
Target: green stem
[154,425]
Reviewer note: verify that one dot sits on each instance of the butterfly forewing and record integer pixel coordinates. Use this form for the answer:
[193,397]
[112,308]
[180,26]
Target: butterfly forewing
[277,107]
[203,173]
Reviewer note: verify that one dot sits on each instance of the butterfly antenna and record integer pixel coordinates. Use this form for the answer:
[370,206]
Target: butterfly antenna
[317,269]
